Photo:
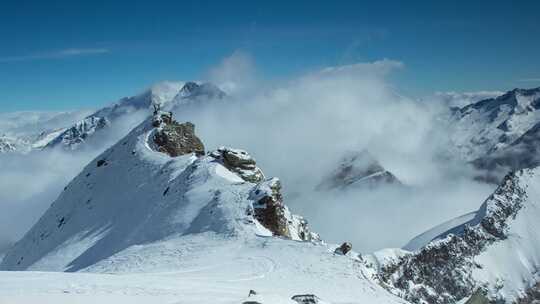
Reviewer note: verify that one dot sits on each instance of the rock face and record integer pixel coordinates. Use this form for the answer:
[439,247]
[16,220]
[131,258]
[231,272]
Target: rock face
[269,210]
[175,138]
[454,266]
[358,170]
[240,162]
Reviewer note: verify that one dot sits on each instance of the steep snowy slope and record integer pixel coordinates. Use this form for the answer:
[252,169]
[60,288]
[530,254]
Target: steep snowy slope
[495,254]
[132,194]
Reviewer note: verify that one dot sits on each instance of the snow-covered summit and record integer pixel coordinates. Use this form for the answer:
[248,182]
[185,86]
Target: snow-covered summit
[133,194]
[167,95]
[192,90]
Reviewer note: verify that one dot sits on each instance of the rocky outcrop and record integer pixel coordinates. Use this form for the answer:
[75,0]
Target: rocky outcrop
[442,271]
[270,211]
[306,299]
[358,170]
[344,248]
[175,138]
[240,162]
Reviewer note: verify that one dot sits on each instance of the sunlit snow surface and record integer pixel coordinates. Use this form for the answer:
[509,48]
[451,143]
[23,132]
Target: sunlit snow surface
[137,226]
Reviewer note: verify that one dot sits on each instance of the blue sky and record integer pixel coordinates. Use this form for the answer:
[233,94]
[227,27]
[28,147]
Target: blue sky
[83,54]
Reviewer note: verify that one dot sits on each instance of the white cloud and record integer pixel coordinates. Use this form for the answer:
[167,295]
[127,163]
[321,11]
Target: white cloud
[73,52]
[297,129]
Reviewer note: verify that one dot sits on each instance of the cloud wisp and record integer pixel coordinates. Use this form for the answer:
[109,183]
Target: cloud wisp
[71,52]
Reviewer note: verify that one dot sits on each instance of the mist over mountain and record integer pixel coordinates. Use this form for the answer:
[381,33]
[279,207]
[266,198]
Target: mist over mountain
[163,182]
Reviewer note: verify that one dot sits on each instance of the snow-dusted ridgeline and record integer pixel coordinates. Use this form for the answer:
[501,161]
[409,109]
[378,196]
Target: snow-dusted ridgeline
[494,254]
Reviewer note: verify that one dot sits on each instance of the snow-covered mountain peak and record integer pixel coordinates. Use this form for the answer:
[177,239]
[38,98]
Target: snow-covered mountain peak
[135,193]
[193,90]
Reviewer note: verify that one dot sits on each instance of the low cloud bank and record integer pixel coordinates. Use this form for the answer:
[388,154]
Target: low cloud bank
[297,129]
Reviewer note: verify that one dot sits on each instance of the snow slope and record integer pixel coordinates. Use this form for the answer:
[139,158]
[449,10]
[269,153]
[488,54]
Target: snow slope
[138,223]
[496,250]
[205,271]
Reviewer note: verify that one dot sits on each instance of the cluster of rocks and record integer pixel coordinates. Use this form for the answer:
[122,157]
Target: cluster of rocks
[175,138]
[441,272]
[239,162]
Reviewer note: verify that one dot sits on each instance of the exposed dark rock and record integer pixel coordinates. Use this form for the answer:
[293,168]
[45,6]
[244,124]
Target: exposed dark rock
[269,208]
[306,299]
[344,248]
[240,162]
[175,138]
[101,162]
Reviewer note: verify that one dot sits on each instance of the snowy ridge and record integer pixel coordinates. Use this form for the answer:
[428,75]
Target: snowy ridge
[497,252]
[101,212]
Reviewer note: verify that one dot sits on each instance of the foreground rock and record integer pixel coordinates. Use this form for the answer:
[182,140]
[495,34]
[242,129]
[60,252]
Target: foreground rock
[175,138]
[272,213]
